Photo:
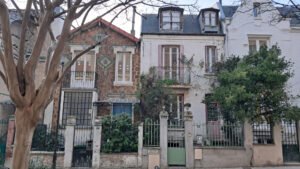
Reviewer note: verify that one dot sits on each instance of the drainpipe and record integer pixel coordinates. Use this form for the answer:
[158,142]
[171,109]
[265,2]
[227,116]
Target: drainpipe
[133,21]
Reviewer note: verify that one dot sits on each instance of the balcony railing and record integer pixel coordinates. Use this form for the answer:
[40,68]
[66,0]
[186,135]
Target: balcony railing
[174,75]
[79,79]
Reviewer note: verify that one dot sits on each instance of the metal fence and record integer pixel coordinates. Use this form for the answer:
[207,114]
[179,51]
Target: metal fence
[151,133]
[262,133]
[176,123]
[44,138]
[217,134]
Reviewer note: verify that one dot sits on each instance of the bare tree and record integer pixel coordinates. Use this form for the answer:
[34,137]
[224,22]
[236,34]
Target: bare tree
[18,72]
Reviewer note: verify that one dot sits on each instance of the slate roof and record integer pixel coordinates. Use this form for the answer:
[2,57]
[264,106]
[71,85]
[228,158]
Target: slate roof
[229,10]
[286,12]
[191,26]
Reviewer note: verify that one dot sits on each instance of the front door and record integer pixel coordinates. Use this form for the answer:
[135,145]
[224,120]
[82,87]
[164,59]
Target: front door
[176,143]
[290,142]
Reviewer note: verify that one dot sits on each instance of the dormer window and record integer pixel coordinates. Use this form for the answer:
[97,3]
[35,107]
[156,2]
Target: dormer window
[210,18]
[170,19]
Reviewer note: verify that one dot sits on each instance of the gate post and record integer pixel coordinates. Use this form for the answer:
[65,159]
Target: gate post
[163,138]
[188,136]
[69,140]
[97,142]
[140,143]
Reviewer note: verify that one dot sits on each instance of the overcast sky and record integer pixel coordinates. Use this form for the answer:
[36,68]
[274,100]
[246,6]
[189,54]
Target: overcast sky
[124,21]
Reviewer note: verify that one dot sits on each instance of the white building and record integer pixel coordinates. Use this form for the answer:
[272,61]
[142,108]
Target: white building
[259,22]
[169,36]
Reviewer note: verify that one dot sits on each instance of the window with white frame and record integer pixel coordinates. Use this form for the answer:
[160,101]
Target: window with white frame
[123,73]
[84,66]
[210,18]
[210,58]
[170,20]
[255,43]
[170,62]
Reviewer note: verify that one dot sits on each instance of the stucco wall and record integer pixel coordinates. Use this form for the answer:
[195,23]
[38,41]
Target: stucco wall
[193,48]
[46,158]
[244,24]
[122,160]
[223,157]
[266,155]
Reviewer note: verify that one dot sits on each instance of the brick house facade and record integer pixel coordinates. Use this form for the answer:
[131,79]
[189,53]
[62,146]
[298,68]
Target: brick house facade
[103,81]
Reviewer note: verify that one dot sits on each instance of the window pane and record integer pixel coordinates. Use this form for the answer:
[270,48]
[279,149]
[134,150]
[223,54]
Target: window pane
[262,43]
[120,66]
[206,16]
[174,63]
[122,108]
[176,26]
[127,66]
[167,62]
[213,19]
[166,25]
[79,67]
[90,68]
[166,13]
[252,46]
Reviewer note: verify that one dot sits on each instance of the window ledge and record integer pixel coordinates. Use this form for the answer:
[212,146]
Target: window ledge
[120,83]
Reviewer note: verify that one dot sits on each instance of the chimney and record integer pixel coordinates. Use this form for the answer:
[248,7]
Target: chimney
[133,21]
[220,1]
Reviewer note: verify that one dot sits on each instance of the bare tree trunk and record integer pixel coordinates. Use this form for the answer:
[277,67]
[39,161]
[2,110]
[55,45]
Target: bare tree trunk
[24,132]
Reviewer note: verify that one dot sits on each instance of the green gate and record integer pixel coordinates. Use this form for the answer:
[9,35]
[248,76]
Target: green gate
[176,143]
[3,134]
[290,142]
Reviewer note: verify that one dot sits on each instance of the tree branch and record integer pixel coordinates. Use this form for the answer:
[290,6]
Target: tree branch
[22,46]
[3,78]
[78,56]
[12,78]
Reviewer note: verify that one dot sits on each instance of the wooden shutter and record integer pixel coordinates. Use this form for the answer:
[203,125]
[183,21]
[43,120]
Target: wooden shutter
[160,61]
[206,59]
[181,64]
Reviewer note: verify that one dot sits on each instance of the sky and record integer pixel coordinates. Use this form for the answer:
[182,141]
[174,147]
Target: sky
[124,20]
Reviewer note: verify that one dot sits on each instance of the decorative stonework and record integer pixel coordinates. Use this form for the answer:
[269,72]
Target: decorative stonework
[105,62]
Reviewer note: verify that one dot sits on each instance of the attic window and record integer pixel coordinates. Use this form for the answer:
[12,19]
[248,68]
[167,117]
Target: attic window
[210,18]
[170,20]
[256,9]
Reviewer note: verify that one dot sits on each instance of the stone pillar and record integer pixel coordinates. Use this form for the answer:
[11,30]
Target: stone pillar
[69,140]
[188,136]
[163,139]
[248,141]
[97,142]
[140,144]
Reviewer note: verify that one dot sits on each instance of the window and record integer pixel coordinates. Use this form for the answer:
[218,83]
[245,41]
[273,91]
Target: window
[78,104]
[170,62]
[176,106]
[256,9]
[262,133]
[171,20]
[212,109]
[84,66]
[123,67]
[210,18]
[256,43]
[122,108]
[210,58]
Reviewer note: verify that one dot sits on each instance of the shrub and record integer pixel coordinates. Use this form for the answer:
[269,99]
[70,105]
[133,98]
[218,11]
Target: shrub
[119,135]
